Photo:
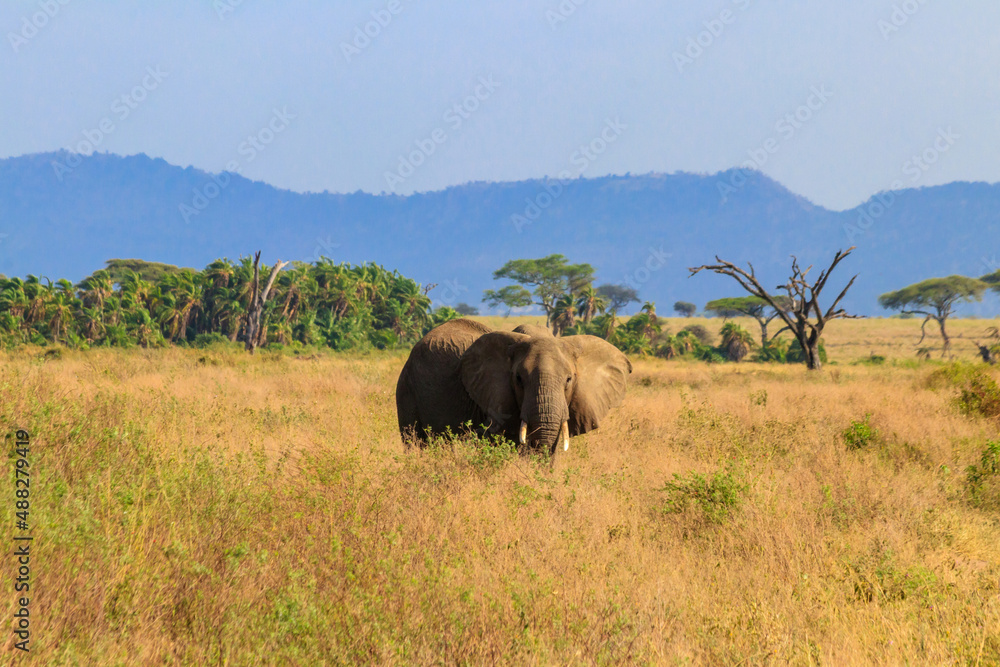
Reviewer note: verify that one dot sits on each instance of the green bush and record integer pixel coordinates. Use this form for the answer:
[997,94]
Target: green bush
[775,351]
[978,394]
[871,360]
[878,577]
[203,340]
[717,497]
[699,332]
[797,356]
[983,478]
[484,453]
[860,434]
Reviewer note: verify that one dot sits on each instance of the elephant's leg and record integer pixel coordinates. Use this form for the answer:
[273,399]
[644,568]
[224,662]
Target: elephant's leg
[410,429]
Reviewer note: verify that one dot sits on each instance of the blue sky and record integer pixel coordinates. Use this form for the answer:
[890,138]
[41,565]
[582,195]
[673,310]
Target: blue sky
[834,100]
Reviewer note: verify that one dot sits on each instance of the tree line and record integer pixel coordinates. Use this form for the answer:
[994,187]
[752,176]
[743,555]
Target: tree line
[343,306]
[136,303]
[573,306]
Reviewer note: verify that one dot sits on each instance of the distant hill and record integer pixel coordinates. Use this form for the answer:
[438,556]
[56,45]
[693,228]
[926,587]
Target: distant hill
[66,221]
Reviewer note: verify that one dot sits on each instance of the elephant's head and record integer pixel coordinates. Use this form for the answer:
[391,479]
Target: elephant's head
[541,390]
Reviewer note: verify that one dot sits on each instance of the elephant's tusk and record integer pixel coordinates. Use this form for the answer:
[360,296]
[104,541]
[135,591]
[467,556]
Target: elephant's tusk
[524,432]
[565,436]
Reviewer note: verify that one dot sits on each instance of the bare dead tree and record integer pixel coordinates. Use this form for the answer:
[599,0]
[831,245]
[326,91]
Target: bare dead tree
[255,333]
[804,317]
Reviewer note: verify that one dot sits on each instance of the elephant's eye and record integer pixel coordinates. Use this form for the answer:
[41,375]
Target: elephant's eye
[518,380]
[569,379]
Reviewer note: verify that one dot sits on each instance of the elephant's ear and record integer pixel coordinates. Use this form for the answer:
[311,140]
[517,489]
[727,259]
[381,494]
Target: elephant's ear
[601,376]
[485,370]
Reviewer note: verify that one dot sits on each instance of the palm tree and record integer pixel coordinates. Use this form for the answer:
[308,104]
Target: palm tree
[188,293]
[96,288]
[645,324]
[605,325]
[136,292]
[736,341]
[13,298]
[142,328]
[90,323]
[563,314]
[589,303]
[60,309]
[280,330]
[295,288]
[416,304]
[36,295]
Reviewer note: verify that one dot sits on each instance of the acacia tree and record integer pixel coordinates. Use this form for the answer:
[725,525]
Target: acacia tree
[512,296]
[751,306]
[550,277]
[618,296]
[935,299]
[685,309]
[804,317]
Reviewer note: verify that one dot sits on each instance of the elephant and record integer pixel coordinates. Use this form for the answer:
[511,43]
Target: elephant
[526,385]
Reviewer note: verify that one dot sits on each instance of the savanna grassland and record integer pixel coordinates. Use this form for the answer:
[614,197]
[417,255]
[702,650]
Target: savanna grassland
[209,507]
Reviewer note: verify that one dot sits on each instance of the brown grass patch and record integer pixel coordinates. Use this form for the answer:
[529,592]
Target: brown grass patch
[208,507]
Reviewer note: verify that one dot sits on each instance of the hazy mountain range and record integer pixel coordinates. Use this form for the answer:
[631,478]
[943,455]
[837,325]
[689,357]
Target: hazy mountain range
[63,215]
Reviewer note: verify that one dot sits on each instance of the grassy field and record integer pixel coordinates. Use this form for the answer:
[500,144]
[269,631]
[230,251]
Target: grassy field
[206,507]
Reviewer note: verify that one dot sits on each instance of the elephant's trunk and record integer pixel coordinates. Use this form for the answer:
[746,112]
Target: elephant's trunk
[543,419]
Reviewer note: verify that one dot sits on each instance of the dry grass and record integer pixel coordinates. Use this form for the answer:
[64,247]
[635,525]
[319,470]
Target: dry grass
[208,508]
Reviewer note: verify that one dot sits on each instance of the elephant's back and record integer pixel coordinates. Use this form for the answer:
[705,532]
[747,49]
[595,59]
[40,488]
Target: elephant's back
[450,340]
[534,331]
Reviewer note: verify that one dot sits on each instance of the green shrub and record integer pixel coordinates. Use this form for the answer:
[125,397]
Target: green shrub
[860,434]
[797,356]
[776,351]
[699,332]
[717,497]
[203,340]
[879,578]
[484,453]
[710,355]
[978,394]
[871,360]
[983,478]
